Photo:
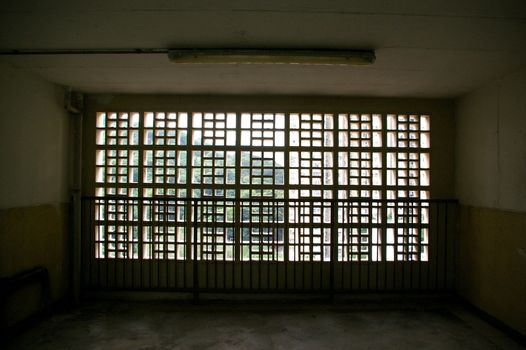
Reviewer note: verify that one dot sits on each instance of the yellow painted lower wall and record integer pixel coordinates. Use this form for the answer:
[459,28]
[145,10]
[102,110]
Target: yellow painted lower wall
[491,263]
[29,237]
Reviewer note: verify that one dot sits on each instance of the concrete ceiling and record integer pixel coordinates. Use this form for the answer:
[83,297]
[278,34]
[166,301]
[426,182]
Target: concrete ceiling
[424,48]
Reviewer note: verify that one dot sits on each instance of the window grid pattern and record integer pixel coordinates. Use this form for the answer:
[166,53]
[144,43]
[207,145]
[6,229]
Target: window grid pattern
[164,155]
[216,230]
[262,182]
[272,156]
[311,176]
[360,234]
[262,232]
[117,163]
[163,230]
[408,174]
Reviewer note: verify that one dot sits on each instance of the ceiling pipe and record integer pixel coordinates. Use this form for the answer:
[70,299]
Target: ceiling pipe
[225,56]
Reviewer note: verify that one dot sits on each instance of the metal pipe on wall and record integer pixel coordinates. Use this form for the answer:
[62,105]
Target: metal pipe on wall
[73,103]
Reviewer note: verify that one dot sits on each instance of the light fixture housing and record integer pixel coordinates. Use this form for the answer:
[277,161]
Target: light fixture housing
[272,56]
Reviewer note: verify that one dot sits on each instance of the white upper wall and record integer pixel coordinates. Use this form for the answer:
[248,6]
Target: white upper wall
[33,140]
[491,145]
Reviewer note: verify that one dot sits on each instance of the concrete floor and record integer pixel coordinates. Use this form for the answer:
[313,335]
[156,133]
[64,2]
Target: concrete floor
[170,325]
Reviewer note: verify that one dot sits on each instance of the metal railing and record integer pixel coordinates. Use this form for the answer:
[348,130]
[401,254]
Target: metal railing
[267,244]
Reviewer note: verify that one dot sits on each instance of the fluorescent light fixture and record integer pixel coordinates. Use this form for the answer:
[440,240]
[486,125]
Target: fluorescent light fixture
[274,56]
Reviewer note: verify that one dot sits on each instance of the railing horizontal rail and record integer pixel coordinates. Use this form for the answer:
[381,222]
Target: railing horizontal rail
[260,199]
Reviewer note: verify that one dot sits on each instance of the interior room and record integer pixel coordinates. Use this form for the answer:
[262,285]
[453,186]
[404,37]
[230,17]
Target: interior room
[259,175]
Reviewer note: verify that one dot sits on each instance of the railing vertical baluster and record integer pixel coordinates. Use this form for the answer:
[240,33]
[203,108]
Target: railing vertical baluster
[384,250]
[151,256]
[437,246]
[405,244]
[159,246]
[107,243]
[358,223]
[395,244]
[275,241]
[101,243]
[419,240]
[334,245]
[166,242]
[140,247]
[456,231]
[209,208]
[343,248]
[446,244]
[94,228]
[412,244]
[378,245]
[286,238]
[370,270]
[125,253]
[131,246]
[240,246]
[195,265]
[187,240]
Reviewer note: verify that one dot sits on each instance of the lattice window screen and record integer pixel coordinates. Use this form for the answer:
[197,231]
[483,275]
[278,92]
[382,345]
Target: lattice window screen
[286,168]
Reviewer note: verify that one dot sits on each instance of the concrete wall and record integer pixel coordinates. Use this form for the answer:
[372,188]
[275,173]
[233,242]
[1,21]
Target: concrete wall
[33,184]
[491,186]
